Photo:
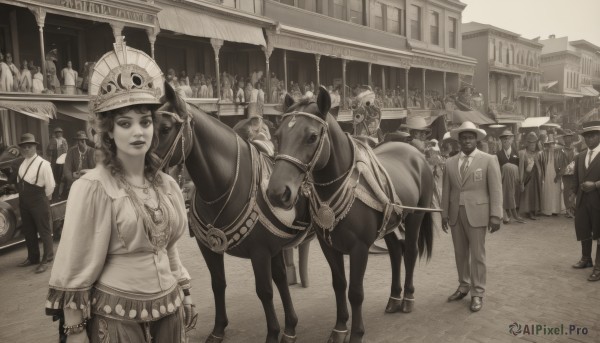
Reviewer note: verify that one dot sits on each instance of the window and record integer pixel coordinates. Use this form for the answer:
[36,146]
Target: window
[434,27]
[356,11]
[338,9]
[500,52]
[394,18]
[415,22]
[309,5]
[452,33]
[376,15]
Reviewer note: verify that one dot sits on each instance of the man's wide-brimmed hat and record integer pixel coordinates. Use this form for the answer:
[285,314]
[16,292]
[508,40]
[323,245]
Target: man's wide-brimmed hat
[506,133]
[125,77]
[531,137]
[416,123]
[81,135]
[590,126]
[28,138]
[468,126]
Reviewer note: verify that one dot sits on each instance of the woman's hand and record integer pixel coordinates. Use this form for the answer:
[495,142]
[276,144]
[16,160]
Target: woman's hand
[190,315]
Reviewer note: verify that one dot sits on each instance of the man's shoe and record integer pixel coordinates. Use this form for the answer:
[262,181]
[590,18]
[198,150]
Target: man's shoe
[457,296]
[595,275]
[583,263]
[476,304]
[27,263]
[42,267]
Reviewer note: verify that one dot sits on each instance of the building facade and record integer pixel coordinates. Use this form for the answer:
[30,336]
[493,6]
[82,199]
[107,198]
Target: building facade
[508,73]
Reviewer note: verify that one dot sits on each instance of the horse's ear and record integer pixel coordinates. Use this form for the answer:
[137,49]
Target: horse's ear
[171,96]
[323,102]
[287,102]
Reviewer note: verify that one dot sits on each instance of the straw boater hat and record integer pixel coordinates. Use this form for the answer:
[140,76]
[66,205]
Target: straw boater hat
[28,138]
[124,77]
[468,127]
[590,126]
[416,123]
[506,133]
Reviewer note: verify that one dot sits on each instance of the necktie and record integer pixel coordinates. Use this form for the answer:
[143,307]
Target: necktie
[464,166]
[589,159]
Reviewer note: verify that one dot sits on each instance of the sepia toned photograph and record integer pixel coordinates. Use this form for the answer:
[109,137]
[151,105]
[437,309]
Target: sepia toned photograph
[299,171]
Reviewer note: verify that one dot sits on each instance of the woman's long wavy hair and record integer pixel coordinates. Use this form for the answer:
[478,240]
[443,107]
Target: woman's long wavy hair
[105,122]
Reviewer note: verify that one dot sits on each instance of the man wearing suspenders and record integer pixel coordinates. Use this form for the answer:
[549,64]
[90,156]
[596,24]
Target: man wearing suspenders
[35,184]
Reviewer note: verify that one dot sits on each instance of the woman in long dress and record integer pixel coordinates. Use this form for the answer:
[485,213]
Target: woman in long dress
[510,191]
[25,80]
[551,159]
[117,275]
[529,174]
[38,81]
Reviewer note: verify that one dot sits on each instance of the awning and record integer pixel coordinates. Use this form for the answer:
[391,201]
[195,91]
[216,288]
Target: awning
[535,121]
[76,110]
[548,84]
[589,91]
[203,25]
[475,117]
[43,110]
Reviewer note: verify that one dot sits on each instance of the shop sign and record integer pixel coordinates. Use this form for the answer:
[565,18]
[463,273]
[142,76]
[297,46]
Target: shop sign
[97,8]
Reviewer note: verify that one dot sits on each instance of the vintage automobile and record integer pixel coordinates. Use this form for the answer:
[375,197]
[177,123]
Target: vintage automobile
[10,219]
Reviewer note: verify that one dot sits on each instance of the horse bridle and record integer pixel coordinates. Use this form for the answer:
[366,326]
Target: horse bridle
[305,168]
[166,160]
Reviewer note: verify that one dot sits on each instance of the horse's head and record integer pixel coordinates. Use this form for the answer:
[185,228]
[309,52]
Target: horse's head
[304,146]
[173,128]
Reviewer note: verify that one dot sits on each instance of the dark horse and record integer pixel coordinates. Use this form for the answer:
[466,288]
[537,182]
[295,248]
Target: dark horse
[221,166]
[315,152]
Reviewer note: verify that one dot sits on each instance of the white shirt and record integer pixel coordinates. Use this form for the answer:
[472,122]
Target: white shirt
[587,156]
[462,159]
[507,152]
[45,179]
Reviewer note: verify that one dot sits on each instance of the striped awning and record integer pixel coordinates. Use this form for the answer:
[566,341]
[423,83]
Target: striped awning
[43,110]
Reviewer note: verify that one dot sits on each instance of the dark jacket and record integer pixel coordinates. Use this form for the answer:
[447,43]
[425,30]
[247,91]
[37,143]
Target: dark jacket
[503,159]
[587,210]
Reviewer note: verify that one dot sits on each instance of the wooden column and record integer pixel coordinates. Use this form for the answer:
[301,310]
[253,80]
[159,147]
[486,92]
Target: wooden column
[344,83]
[370,76]
[268,50]
[445,87]
[117,30]
[40,18]
[406,88]
[318,62]
[285,71]
[217,44]
[152,33]
[423,90]
[383,79]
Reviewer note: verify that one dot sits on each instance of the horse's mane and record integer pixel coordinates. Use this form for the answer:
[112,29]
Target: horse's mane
[301,103]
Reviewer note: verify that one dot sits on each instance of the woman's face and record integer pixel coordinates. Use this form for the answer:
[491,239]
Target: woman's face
[531,146]
[133,133]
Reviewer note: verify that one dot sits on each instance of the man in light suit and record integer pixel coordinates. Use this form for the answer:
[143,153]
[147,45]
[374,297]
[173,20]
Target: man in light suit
[586,189]
[471,203]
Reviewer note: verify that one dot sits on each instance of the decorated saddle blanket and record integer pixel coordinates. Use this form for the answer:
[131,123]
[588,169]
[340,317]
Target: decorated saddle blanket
[282,224]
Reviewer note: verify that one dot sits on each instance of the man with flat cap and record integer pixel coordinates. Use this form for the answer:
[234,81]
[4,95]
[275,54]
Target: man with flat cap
[79,158]
[586,186]
[56,147]
[35,184]
[471,204]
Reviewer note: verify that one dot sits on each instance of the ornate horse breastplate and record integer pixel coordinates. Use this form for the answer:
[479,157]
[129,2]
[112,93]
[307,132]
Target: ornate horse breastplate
[370,183]
[228,237]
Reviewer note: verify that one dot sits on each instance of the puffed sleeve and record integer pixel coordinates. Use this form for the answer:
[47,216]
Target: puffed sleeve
[178,270]
[83,247]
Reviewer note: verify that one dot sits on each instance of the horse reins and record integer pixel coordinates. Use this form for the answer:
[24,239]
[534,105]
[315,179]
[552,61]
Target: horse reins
[180,136]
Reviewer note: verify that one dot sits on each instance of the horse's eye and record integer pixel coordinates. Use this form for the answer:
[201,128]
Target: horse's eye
[165,130]
[312,138]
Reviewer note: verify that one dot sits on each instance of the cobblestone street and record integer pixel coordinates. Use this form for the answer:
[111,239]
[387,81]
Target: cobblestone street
[530,281]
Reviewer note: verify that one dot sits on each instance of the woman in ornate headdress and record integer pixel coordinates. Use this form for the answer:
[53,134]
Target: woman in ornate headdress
[117,272]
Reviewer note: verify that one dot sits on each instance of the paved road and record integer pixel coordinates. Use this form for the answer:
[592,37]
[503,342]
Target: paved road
[530,281]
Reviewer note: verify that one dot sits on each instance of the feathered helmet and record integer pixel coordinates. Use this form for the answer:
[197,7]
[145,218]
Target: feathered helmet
[125,77]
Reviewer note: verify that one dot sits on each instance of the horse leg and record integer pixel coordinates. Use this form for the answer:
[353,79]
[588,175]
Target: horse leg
[358,264]
[338,277]
[411,251]
[303,262]
[279,277]
[394,246]
[215,264]
[288,258]
[261,264]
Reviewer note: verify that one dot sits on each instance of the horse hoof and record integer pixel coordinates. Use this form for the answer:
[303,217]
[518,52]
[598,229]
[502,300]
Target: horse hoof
[337,336]
[393,305]
[407,305]
[213,339]
[287,339]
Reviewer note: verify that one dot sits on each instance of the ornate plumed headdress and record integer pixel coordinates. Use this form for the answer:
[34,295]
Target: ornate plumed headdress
[124,77]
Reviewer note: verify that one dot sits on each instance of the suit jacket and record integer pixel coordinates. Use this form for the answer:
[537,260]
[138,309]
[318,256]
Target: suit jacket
[72,163]
[587,208]
[480,190]
[502,159]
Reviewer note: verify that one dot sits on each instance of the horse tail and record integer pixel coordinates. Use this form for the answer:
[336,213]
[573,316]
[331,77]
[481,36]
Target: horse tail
[425,241]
